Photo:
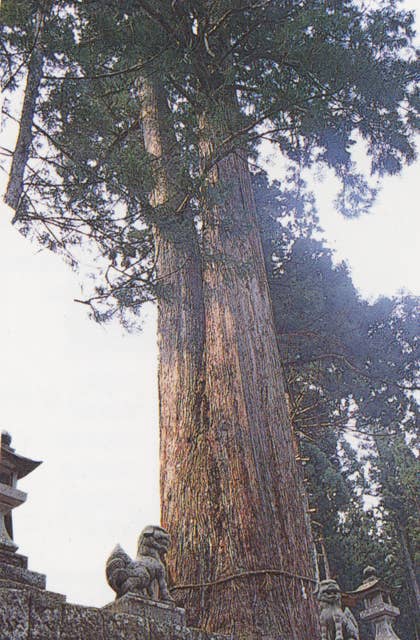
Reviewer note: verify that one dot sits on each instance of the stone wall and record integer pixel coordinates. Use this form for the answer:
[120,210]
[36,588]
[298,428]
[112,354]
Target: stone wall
[28,613]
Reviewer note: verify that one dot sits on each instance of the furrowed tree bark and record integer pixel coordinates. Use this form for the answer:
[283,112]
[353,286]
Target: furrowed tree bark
[15,186]
[239,498]
[231,494]
[180,325]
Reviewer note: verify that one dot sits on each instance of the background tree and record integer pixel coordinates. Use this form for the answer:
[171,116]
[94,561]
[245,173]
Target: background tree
[219,76]
[351,369]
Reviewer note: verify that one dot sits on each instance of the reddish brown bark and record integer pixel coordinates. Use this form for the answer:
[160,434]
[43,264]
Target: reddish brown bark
[230,488]
[180,318]
[237,500]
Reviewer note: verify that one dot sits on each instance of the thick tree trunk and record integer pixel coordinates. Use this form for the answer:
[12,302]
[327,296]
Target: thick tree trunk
[180,327]
[236,501]
[230,487]
[15,186]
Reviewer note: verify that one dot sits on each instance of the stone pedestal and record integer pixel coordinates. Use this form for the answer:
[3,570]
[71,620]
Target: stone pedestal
[159,612]
[14,572]
[382,617]
[15,559]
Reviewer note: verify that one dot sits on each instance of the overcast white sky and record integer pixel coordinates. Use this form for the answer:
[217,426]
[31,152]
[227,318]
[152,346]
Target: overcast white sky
[83,397]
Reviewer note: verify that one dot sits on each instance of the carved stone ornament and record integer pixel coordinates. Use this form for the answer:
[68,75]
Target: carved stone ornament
[336,623]
[147,573]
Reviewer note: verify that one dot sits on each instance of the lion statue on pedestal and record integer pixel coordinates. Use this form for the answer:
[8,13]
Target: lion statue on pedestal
[142,575]
[336,624]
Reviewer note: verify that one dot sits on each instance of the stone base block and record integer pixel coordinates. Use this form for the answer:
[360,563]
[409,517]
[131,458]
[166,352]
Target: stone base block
[18,575]
[10,557]
[120,626]
[81,623]
[159,612]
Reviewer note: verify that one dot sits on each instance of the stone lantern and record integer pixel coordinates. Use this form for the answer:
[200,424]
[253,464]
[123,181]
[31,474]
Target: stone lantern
[13,467]
[378,608]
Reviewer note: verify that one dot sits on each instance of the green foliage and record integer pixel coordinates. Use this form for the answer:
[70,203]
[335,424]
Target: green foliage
[352,370]
[307,76]
[396,470]
[310,77]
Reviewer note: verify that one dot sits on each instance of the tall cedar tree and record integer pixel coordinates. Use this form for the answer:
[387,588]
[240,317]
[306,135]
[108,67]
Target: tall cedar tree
[351,370]
[173,212]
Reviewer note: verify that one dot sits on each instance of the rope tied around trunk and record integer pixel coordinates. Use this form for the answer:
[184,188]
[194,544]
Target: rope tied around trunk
[244,574]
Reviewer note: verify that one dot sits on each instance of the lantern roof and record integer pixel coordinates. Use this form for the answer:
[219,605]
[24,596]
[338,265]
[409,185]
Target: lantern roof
[13,462]
[371,582]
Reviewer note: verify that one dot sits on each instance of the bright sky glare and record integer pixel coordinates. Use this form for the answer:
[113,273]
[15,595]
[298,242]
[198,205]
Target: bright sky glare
[83,397]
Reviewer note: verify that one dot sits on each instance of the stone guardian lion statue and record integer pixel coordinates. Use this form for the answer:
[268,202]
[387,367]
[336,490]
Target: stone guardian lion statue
[336,624]
[140,576]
